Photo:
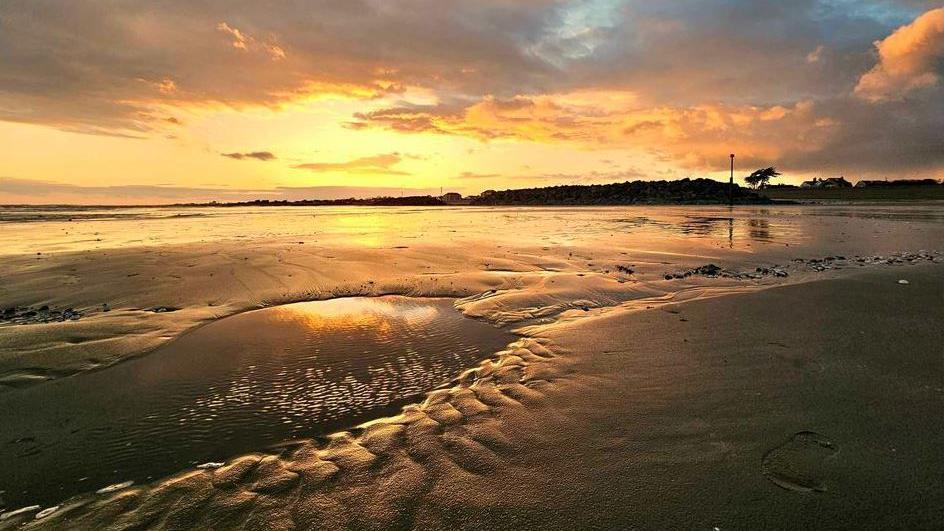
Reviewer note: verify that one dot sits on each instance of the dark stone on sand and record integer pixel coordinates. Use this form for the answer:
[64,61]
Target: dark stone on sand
[709,270]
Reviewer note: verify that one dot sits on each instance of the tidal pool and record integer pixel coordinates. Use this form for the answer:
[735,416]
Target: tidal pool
[236,385]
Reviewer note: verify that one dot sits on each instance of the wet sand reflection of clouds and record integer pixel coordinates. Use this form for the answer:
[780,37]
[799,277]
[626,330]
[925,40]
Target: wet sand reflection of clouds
[652,227]
[759,230]
[730,228]
[352,314]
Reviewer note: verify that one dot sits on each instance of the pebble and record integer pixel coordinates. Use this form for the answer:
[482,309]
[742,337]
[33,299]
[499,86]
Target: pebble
[904,282]
[44,314]
[713,271]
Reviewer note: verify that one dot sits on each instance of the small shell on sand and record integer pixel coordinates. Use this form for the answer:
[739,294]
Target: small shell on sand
[46,512]
[114,488]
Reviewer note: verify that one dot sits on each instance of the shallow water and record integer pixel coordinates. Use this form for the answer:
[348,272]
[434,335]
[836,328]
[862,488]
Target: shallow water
[233,386]
[46,230]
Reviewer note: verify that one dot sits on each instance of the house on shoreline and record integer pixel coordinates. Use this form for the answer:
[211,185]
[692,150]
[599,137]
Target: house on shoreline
[831,182]
[453,198]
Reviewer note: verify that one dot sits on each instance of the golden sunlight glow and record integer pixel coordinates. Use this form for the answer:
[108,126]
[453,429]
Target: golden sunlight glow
[355,313]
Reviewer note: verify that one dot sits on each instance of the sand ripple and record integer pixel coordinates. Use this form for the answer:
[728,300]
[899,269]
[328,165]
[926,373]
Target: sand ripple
[368,477]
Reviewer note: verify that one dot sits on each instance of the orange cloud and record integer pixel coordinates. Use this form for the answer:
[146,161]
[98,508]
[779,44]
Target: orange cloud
[376,164]
[257,155]
[167,86]
[908,59]
[679,81]
[689,136]
[816,55]
[242,41]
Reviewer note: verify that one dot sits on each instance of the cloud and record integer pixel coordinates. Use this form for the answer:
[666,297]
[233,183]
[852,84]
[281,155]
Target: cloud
[377,164]
[246,43]
[838,134]
[106,66]
[466,175]
[23,191]
[239,40]
[911,58]
[816,55]
[79,63]
[896,139]
[781,82]
[588,177]
[257,155]
[690,137]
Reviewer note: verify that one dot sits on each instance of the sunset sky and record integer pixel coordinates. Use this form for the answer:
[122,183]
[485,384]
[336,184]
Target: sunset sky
[118,101]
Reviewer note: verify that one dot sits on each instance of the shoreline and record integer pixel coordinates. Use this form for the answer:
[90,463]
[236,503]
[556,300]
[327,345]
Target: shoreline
[796,197]
[537,376]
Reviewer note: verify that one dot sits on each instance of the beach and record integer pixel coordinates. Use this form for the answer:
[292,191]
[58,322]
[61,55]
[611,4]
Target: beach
[453,265]
[673,367]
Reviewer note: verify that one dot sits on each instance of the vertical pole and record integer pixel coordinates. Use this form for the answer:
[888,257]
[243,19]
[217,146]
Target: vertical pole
[731,183]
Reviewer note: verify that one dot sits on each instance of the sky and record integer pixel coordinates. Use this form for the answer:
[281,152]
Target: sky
[162,101]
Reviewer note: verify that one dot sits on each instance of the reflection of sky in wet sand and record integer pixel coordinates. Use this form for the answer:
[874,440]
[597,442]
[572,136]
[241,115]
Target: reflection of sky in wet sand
[355,313]
[52,230]
[708,232]
[235,385]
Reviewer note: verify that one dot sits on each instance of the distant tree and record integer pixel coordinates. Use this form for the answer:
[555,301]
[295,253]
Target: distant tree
[761,178]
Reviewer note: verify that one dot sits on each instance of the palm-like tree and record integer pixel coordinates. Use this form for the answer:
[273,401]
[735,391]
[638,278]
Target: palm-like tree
[761,178]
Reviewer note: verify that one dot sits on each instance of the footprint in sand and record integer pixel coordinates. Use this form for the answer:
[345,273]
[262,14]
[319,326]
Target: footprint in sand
[801,463]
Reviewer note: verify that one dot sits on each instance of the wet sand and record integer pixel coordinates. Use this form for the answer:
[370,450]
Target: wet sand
[801,407]
[518,264]
[814,405]
[234,386]
[626,403]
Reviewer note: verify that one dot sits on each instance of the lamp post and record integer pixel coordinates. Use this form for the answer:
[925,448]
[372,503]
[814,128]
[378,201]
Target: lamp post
[731,183]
